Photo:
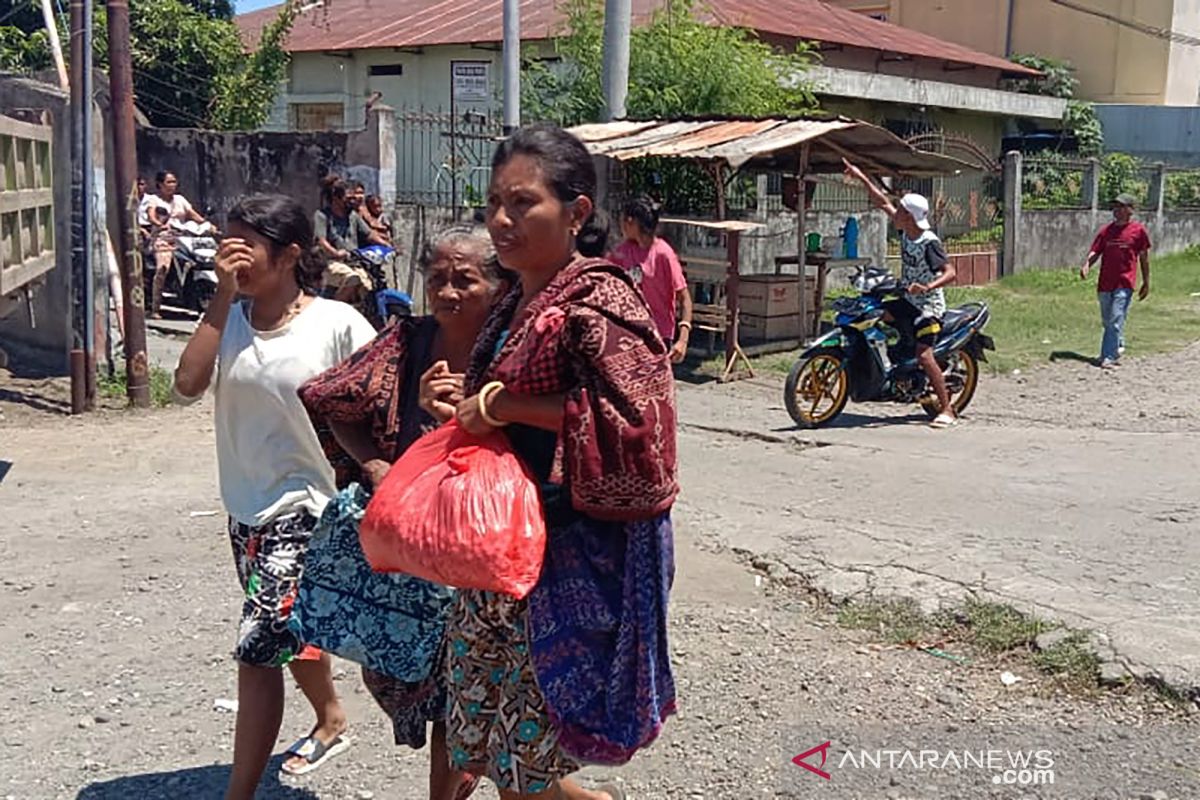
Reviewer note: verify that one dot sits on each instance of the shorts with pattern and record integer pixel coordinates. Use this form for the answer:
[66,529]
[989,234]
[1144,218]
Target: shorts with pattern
[270,561]
[913,323]
[498,725]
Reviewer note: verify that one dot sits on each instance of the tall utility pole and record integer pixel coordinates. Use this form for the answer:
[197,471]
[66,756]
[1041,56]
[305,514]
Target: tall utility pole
[83,351]
[512,65]
[618,21]
[120,71]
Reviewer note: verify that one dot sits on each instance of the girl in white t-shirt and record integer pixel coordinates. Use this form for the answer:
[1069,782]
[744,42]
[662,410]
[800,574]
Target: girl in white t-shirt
[275,479]
[156,212]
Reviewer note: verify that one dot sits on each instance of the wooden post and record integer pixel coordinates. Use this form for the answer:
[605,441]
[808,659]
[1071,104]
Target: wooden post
[801,212]
[732,283]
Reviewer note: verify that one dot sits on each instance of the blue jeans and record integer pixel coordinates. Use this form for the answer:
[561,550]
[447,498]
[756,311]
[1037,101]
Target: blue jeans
[1114,307]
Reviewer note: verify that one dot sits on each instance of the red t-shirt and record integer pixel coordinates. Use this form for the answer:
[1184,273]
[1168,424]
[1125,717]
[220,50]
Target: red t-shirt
[1119,247]
[657,272]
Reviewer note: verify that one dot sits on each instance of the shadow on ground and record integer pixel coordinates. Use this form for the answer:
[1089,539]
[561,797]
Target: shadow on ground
[1071,355]
[198,782]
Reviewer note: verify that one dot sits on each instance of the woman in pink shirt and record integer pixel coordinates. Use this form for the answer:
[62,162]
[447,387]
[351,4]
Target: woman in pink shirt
[657,272]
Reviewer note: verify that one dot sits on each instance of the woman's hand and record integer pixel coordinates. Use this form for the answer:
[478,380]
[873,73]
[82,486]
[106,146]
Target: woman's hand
[233,257]
[469,417]
[375,471]
[441,391]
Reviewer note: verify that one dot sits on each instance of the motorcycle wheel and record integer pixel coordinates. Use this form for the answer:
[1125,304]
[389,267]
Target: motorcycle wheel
[962,379]
[817,389]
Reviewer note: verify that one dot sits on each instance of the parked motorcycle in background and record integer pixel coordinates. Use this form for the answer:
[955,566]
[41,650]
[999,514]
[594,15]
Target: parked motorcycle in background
[192,275]
[382,305]
[863,358]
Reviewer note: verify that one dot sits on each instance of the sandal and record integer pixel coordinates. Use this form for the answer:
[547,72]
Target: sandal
[943,421]
[314,752]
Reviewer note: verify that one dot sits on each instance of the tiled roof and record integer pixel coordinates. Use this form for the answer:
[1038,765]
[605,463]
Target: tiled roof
[359,24]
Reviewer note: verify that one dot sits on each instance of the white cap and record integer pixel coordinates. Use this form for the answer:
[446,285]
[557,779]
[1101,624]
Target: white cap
[918,206]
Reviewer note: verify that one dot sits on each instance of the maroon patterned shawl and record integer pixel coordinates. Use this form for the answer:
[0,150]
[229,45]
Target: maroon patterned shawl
[367,387]
[589,334]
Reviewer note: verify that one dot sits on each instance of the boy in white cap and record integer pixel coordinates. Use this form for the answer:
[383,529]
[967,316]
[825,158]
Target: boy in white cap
[925,269]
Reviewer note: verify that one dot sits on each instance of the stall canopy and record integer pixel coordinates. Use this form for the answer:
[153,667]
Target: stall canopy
[769,145]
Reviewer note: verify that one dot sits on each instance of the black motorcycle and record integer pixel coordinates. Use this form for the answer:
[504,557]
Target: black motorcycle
[865,360]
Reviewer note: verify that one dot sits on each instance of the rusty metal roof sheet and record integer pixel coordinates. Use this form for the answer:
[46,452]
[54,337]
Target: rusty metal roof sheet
[769,144]
[357,24]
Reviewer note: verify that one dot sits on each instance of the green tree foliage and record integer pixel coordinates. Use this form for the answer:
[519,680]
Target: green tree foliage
[679,66]
[190,66]
[1059,81]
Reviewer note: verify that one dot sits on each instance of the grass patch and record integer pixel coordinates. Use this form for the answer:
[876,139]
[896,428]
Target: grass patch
[998,628]
[116,388]
[1039,317]
[1072,661]
[894,621]
[984,628]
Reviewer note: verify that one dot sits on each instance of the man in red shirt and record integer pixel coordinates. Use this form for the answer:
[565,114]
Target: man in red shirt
[1120,246]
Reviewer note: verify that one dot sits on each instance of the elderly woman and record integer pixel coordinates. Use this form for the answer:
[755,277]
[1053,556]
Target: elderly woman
[372,406]
[572,367]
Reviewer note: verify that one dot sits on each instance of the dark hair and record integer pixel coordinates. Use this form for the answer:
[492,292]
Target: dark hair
[358,185]
[467,234]
[162,176]
[644,211]
[592,241]
[565,163]
[284,223]
[332,186]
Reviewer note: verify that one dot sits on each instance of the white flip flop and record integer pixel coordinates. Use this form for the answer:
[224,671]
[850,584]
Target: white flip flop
[943,421]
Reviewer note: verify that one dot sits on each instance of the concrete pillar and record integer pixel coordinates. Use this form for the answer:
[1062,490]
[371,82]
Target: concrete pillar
[1010,263]
[384,127]
[760,192]
[1156,203]
[1091,189]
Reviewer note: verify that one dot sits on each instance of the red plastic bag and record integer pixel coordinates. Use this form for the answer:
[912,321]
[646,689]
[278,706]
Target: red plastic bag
[459,510]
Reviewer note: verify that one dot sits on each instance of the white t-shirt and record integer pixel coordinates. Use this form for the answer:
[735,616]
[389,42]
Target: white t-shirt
[268,456]
[177,210]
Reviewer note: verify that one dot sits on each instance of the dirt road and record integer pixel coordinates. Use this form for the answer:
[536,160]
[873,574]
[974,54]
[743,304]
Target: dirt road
[120,599]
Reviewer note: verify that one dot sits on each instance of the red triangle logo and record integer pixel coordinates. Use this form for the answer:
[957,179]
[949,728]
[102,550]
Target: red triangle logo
[823,749]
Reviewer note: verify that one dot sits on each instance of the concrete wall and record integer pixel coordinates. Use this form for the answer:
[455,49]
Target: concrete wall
[346,79]
[1116,64]
[216,169]
[1167,134]
[1056,239]
[44,341]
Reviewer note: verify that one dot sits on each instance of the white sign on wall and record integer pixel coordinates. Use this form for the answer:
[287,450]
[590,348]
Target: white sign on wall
[471,81]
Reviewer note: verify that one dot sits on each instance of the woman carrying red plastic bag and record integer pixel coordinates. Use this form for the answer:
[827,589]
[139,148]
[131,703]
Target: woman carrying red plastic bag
[571,367]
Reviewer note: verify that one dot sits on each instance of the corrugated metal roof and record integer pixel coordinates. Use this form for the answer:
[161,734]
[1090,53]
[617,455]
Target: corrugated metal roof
[768,144]
[357,24]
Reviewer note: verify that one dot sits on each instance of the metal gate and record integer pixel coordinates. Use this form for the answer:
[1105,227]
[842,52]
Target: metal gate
[444,159]
[966,210]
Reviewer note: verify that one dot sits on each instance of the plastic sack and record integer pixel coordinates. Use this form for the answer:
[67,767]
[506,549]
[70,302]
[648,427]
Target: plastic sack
[459,510]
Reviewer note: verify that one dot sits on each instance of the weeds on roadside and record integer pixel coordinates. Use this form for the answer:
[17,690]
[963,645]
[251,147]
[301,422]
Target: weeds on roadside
[994,629]
[115,387]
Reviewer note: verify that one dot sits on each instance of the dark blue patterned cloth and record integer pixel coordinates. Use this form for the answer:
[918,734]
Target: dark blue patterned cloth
[390,623]
[598,629]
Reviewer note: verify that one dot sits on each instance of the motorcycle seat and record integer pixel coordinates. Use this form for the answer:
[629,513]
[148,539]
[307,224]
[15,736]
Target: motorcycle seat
[957,318]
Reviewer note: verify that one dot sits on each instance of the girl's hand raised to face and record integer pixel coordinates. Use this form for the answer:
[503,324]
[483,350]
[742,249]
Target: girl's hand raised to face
[234,256]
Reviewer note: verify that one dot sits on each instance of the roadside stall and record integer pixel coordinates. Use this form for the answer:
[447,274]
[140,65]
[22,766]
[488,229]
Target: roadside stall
[788,300]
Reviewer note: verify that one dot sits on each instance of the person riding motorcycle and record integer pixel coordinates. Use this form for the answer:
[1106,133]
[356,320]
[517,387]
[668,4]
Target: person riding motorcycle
[925,269]
[339,231]
[156,213]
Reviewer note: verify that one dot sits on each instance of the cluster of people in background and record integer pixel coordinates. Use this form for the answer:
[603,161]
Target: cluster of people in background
[533,334]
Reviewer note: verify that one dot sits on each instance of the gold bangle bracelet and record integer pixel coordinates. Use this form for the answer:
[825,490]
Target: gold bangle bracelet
[485,394]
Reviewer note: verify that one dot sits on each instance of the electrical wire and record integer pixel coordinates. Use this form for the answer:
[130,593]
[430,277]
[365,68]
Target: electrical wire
[1141,27]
